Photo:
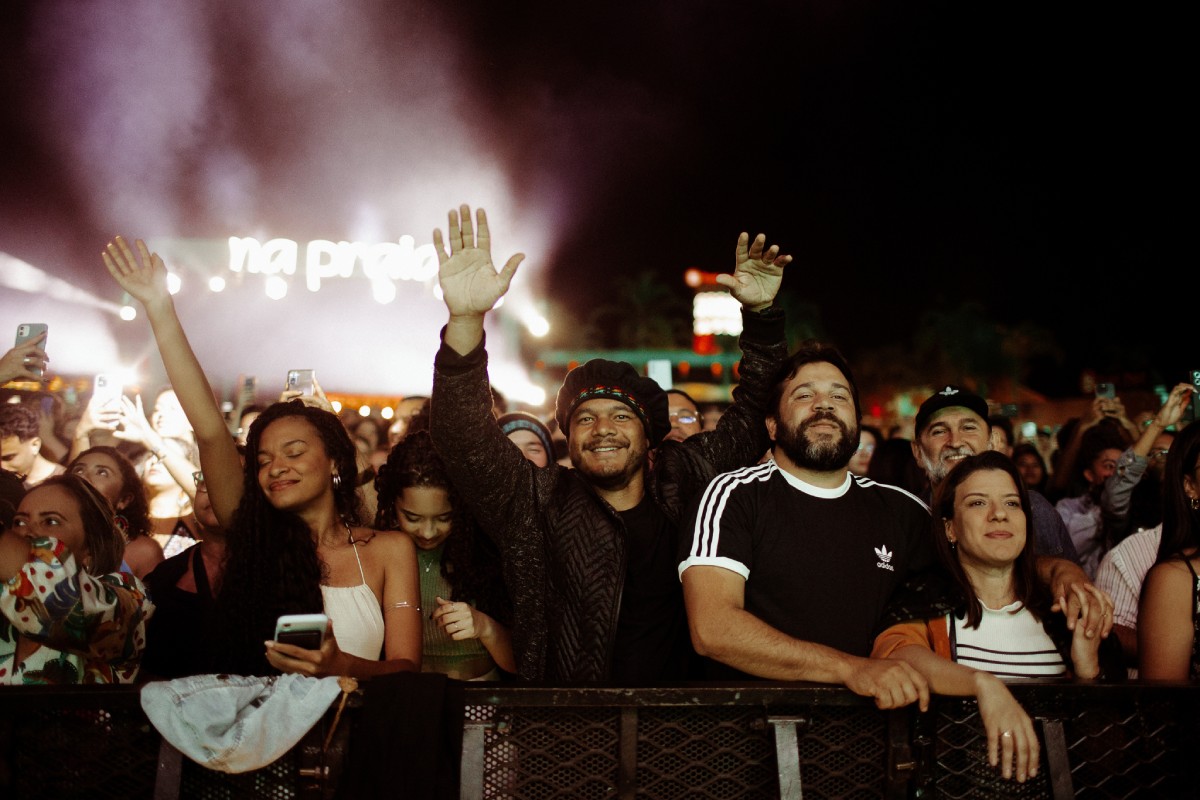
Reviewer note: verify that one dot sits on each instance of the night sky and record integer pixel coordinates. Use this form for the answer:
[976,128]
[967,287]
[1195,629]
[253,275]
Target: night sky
[911,156]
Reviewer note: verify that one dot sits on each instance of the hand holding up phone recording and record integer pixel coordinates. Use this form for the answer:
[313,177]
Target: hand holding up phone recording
[1177,403]
[329,660]
[25,362]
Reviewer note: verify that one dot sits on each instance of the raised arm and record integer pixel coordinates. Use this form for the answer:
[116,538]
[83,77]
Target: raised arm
[757,272]
[469,280]
[144,277]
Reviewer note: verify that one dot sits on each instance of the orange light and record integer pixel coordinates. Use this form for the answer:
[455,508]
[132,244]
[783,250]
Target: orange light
[684,368]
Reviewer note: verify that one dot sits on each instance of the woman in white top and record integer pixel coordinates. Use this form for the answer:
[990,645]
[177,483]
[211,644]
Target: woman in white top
[984,618]
[294,543]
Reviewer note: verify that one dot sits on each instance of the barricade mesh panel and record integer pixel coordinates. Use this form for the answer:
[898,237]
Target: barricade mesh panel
[276,781]
[93,753]
[1124,747]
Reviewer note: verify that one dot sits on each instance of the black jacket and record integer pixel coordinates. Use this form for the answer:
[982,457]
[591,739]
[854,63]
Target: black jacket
[562,546]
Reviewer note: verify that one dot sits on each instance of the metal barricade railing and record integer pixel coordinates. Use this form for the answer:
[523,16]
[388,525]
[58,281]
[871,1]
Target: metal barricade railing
[704,741]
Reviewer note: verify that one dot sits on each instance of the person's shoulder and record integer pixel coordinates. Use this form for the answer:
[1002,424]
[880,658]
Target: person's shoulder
[382,544]
[889,493]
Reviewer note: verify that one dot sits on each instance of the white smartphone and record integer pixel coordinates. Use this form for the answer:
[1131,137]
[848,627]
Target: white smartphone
[302,630]
[301,380]
[31,330]
[106,390]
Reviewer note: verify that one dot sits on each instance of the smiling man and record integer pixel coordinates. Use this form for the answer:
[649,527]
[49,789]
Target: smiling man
[788,565]
[589,553]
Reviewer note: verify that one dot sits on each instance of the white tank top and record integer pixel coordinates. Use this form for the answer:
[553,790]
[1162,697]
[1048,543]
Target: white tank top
[356,616]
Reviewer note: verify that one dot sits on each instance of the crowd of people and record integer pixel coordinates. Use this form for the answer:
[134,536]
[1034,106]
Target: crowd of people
[622,541]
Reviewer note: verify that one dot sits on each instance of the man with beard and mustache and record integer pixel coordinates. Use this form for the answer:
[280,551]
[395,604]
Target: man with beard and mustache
[788,565]
[589,553]
[953,424]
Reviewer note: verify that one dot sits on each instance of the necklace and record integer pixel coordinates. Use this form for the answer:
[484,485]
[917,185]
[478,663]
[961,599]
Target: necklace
[427,559]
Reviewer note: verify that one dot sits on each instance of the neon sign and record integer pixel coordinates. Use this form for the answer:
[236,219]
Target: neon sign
[382,263]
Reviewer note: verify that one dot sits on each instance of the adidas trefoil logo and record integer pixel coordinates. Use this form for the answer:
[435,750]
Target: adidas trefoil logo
[949,391]
[885,558]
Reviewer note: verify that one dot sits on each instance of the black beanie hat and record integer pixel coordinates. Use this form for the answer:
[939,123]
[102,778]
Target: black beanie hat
[602,378]
[524,421]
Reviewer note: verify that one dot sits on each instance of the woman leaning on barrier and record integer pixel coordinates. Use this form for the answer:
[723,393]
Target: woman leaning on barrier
[71,615]
[983,617]
[1169,612]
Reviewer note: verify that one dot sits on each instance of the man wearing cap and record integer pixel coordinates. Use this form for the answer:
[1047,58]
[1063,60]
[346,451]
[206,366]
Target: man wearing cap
[589,553]
[953,424]
[788,566]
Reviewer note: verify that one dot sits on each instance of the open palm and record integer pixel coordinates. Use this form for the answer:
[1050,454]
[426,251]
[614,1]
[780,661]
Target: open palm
[144,276]
[757,272]
[470,283]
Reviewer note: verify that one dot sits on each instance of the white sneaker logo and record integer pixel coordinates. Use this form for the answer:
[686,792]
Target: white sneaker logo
[885,558]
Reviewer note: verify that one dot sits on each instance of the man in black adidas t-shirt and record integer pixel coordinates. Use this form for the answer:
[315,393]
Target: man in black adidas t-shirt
[787,565]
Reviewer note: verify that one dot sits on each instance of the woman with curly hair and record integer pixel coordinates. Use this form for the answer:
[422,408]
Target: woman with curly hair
[459,571]
[115,477]
[294,540]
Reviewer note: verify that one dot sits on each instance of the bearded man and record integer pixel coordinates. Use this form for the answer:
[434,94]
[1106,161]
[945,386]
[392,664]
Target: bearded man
[788,566]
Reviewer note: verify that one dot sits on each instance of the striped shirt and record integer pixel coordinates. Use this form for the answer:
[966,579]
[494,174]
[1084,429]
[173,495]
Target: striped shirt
[1007,644]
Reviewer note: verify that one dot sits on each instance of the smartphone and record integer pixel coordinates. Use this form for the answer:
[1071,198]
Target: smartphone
[302,630]
[1029,431]
[301,380]
[106,390]
[1106,390]
[31,330]
[250,387]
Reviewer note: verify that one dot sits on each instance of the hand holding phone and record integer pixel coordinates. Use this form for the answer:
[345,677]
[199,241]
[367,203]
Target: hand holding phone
[302,630]
[28,358]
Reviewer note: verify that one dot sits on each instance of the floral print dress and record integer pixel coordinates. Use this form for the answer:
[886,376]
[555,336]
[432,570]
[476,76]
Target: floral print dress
[90,629]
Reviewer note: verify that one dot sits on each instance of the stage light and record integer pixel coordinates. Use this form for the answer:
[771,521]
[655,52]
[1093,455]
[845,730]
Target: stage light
[337,406]
[128,313]
[174,284]
[216,283]
[364,410]
[276,287]
[387,412]
[536,324]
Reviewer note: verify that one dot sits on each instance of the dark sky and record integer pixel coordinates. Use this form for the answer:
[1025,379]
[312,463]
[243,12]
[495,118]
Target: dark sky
[910,155]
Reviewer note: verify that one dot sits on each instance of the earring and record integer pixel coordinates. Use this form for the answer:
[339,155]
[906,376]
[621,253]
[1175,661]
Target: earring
[337,480]
[953,544]
[1196,504]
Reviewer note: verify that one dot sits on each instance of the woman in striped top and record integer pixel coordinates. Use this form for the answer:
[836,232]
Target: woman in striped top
[984,618]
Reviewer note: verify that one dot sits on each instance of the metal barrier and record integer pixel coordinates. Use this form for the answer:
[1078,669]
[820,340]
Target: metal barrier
[767,740]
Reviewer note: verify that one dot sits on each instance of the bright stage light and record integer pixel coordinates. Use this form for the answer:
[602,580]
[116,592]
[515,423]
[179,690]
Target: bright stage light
[216,283]
[276,287]
[174,284]
[536,324]
[364,410]
[128,313]
[387,412]
[337,406]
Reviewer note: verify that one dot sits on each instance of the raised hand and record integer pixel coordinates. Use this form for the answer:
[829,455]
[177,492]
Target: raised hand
[19,362]
[757,273]
[144,276]
[470,283]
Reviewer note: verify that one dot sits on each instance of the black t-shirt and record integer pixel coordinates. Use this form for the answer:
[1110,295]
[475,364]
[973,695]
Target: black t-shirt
[653,645]
[820,564]
[176,633]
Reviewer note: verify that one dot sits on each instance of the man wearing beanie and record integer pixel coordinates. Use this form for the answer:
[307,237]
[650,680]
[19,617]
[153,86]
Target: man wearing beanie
[589,553]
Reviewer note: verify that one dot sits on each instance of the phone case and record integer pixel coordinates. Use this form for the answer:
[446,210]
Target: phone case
[32,330]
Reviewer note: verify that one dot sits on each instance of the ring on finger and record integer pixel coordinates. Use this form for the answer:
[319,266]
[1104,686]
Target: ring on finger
[1007,734]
